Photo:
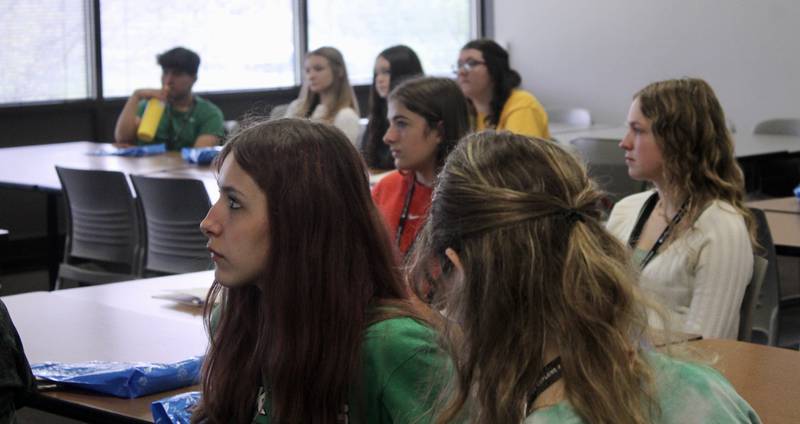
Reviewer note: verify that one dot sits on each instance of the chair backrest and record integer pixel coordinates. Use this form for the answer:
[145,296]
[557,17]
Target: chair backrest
[788,126]
[231,126]
[103,222]
[173,209]
[766,315]
[747,310]
[578,117]
[606,165]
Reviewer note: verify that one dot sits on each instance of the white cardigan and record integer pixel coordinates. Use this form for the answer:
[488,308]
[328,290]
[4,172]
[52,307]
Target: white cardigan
[346,119]
[701,277]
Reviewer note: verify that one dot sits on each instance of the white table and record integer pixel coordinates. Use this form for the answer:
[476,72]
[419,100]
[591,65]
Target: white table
[745,144]
[112,322]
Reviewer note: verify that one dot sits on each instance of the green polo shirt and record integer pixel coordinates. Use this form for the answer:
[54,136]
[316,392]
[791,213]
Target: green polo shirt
[180,129]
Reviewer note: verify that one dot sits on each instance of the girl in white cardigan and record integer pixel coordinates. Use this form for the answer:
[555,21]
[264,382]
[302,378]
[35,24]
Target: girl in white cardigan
[691,236]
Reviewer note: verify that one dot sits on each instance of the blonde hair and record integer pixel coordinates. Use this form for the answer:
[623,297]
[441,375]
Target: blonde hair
[343,94]
[539,268]
[688,125]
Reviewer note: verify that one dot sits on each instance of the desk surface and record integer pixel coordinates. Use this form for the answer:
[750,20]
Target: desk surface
[781,204]
[123,322]
[34,166]
[745,144]
[112,322]
[783,218]
[767,377]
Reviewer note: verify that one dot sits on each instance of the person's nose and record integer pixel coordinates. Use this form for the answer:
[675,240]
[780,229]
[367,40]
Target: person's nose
[209,226]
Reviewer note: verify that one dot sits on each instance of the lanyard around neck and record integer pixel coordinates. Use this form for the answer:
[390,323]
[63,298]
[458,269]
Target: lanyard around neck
[649,205]
[401,225]
[549,375]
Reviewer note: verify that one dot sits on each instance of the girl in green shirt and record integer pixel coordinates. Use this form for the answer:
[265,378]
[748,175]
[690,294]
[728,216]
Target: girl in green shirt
[314,323]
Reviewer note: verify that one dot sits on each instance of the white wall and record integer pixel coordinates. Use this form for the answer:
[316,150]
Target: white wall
[598,53]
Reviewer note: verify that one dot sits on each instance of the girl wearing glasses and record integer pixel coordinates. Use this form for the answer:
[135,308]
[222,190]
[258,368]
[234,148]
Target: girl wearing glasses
[551,323]
[314,323]
[427,117]
[392,66]
[492,87]
[326,95]
[692,236]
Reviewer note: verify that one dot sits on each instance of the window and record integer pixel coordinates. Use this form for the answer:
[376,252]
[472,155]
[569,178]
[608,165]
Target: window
[48,54]
[44,54]
[243,44]
[360,29]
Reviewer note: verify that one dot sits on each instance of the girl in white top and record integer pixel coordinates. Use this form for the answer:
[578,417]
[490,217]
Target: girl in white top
[691,236]
[326,95]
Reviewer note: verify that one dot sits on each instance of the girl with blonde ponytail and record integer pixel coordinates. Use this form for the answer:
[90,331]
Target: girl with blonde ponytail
[551,327]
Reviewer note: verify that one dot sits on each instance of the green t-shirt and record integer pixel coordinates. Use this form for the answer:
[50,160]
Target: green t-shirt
[686,392]
[403,371]
[180,129]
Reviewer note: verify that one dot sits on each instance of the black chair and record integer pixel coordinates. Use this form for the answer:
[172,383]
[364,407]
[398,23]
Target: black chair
[779,176]
[103,243]
[606,165]
[766,316]
[173,209]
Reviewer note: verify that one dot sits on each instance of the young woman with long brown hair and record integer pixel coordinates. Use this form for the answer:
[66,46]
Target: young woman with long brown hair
[551,323]
[692,236]
[314,324]
[392,66]
[427,117]
[327,95]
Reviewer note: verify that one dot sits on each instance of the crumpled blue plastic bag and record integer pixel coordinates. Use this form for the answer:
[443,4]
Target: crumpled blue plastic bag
[200,155]
[122,379]
[135,151]
[175,409]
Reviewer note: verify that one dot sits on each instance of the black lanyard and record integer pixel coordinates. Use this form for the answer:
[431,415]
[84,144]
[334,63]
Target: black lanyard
[401,225]
[647,209]
[549,375]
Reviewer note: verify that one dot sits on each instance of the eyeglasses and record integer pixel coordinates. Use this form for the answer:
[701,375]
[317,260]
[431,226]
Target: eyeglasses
[467,66]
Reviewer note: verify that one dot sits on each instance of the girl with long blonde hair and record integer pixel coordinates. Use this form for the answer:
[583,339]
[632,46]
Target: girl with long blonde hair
[691,236]
[551,325]
[327,95]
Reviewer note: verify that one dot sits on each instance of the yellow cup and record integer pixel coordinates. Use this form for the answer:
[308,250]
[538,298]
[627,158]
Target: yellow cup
[148,126]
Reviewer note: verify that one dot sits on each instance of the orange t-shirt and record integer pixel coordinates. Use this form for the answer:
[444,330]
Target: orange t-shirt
[390,196]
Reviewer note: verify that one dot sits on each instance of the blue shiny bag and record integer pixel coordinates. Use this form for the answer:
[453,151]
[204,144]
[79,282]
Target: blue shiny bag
[135,151]
[200,155]
[176,409]
[122,379]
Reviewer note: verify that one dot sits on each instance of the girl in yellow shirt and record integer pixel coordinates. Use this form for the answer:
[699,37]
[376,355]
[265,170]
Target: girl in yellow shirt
[487,80]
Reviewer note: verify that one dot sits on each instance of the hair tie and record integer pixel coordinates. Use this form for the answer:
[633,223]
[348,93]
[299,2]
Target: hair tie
[573,215]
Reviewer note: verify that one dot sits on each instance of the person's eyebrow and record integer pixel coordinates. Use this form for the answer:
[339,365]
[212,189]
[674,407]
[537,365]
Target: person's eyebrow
[230,190]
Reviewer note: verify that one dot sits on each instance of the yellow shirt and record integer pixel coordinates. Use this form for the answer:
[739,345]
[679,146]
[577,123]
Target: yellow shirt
[522,114]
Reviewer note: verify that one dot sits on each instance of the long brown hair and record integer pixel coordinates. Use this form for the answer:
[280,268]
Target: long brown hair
[539,269]
[298,328]
[403,64]
[689,127]
[343,94]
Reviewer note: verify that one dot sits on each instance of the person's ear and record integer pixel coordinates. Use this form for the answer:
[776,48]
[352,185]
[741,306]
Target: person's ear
[455,260]
[439,128]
